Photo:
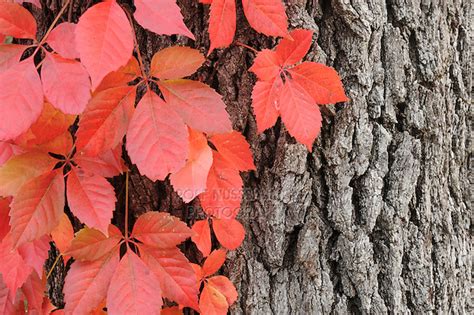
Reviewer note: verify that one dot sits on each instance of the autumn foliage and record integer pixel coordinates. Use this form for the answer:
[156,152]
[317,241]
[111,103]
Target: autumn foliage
[76,101]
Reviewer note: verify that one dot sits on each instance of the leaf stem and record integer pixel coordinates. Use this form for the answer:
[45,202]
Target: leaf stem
[45,37]
[246,46]
[126,205]
[137,48]
[53,266]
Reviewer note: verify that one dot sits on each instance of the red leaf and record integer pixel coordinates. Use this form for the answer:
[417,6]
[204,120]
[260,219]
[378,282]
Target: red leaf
[21,168]
[107,164]
[16,21]
[63,40]
[6,297]
[87,283]
[10,55]
[13,268]
[161,17]
[34,289]
[91,245]
[37,208]
[202,237]
[267,65]
[160,230]
[105,120]
[63,235]
[104,40]
[222,22]
[212,301]
[4,211]
[91,199]
[292,51]
[224,190]
[176,62]
[176,276]
[35,253]
[157,139]
[134,288]
[266,102]
[190,181]
[199,106]
[300,114]
[21,85]
[174,310]
[320,81]
[266,16]
[230,233]
[214,262]
[235,150]
[66,84]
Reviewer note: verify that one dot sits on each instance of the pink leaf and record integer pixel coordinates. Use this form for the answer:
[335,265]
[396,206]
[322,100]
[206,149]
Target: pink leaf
[63,40]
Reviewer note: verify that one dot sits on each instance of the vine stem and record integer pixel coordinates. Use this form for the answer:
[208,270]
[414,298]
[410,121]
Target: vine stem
[126,205]
[246,46]
[45,37]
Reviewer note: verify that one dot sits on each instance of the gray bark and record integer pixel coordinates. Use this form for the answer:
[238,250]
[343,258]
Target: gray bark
[377,218]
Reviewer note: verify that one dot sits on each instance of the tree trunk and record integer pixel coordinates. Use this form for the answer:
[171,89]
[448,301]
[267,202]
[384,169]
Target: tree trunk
[376,219]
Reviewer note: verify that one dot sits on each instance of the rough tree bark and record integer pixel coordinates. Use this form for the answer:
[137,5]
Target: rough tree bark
[376,219]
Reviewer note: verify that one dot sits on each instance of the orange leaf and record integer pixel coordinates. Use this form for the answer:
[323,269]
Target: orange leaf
[224,190]
[224,286]
[290,51]
[105,121]
[266,102]
[134,288]
[157,139]
[176,62]
[222,22]
[121,77]
[91,245]
[91,198]
[63,235]
[199,106]
[21,85]
[63,40]
[10,55]
[161,17]
[104,40]
[230,233]
[320,81]
[7,151]
[160,230]
[16,21]
[300,114]
[214,262]
[212,301]
[51,124]
[66,84]
[176,276]
[37,208]
[174,310]
[266,16]
[235,150]
[21,168]
[266,65]
[190,181]
[86,284]
[202,236]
